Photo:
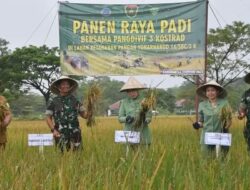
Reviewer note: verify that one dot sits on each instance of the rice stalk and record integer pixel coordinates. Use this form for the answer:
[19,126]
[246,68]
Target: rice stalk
[226,117]
[93,95]
[148,103]
[156,170]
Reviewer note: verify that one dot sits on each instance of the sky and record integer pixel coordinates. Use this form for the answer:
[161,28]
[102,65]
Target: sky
[35,22]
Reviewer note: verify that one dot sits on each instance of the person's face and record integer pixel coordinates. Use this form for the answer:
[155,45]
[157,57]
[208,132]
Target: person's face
[211,93]
[133,93]
[64,87]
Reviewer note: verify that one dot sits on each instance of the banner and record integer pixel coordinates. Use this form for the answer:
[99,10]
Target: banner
[139,39]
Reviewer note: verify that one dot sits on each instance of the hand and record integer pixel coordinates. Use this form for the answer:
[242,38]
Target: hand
[241,115]
[129,119]
[56,133]
[89,114]
[196,125]
[3,124]
[146,121]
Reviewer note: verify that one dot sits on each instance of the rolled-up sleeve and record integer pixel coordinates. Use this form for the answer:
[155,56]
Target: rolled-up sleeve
[122,113]
[50,108]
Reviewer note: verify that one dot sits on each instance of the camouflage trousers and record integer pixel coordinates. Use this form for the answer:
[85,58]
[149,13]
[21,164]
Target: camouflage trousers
[246,133]
[70,139]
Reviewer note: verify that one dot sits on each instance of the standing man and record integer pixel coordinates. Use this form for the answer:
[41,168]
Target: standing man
[5,119]
[244,111]
[62,114]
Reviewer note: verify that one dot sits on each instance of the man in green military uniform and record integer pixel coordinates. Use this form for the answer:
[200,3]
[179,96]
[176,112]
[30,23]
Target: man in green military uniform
[62,114]
[130,108]
[244,111]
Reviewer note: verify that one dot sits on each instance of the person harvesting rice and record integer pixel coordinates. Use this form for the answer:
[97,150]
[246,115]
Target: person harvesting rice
[62,114]
[134,112]
[5,119]
[215,115]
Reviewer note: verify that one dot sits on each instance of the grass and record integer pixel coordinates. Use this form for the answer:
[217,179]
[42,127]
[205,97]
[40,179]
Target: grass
[173,161]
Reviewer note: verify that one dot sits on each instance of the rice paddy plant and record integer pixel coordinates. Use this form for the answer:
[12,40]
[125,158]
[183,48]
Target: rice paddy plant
[173,161]
[148,103]
[93,95]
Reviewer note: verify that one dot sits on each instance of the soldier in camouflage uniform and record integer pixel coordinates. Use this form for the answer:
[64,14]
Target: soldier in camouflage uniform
[62,114]
[244,110]
[5,119]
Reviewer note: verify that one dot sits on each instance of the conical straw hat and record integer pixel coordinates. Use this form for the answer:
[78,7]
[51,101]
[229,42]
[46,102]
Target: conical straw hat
[132,83]
[201,91]
[55,84]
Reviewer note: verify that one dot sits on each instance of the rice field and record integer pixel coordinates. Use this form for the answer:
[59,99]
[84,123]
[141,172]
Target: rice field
[173,161]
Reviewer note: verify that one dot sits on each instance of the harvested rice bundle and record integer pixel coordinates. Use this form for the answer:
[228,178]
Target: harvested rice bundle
[148,103]
[93,95]
[3,109]
[226,117]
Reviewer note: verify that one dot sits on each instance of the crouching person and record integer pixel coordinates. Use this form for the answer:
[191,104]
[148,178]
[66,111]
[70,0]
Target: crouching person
[62,114]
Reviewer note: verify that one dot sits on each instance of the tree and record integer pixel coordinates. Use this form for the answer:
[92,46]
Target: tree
[6,88]
[4,50]
[32,68]
[165,100]
[228,49]
[109,92]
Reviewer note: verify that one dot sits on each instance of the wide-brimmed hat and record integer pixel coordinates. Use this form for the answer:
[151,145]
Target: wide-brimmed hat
[247,78]
[55,84]
[132,83]
[201,91]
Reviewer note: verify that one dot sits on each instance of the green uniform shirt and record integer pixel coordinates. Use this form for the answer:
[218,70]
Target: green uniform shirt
[245,104]
[211,116]
[130,106]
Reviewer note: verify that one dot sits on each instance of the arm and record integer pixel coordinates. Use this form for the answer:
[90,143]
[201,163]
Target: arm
[82,111]
[242,108]
[200,116]
[49,121]
[7,120]
[148,116]
[51,125]
[84,114]
[49,118]
[122,113]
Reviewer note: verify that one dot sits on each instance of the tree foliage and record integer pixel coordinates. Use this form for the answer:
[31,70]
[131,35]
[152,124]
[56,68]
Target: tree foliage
[109,92]
[228,49]
[165,100]
[7,89]
[32,68]
[4,50]
[228,52]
